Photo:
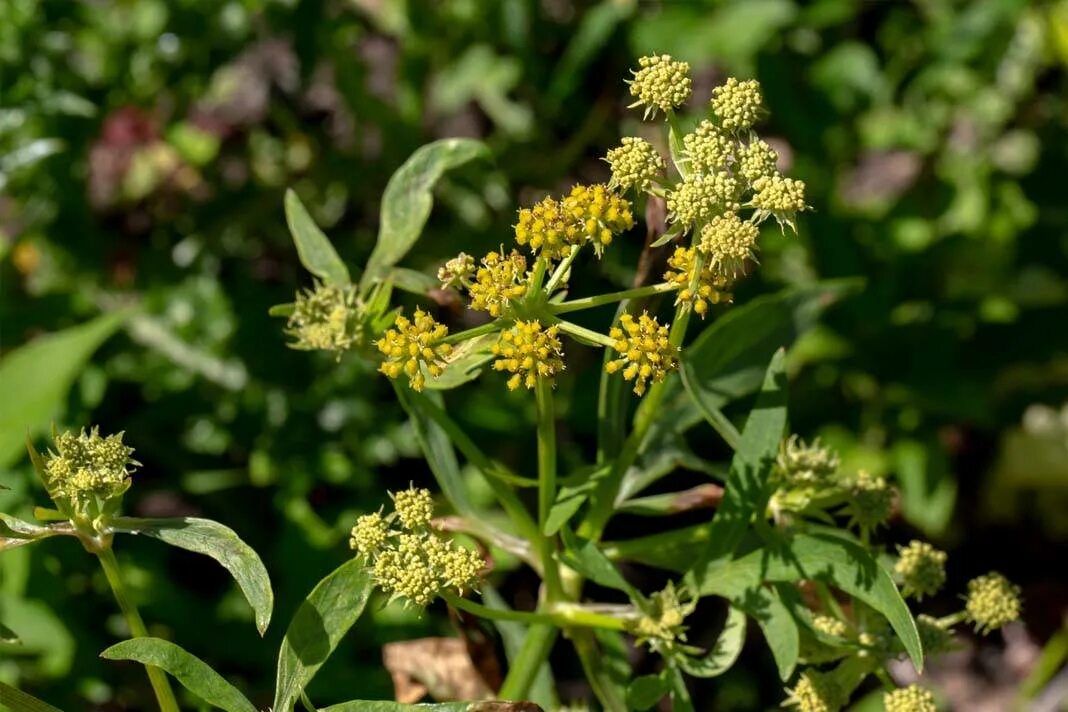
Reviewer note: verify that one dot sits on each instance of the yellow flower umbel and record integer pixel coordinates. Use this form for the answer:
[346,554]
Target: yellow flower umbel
[738,105]
[86,467]
[707,288]
[547,230]
[780,197]
[598,213]
[645,353]
[728,243]
[910,699]
[757,160]
[413,346]
[700,197]
[816,691]
[922,569]
[413,562]
[529,351]
[326,318]
[660,83]
[500,279]
[635,164]
[992,602]
[707,149]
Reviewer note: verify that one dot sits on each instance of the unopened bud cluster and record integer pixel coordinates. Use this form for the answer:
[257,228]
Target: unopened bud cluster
[910,699]
[662,622]
[86,465]
[326,318]
[816,691]
[992,602]
[660,84]
[408,558]
[922,569]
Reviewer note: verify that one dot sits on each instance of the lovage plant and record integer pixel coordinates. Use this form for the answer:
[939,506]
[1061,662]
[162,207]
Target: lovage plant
[792,543]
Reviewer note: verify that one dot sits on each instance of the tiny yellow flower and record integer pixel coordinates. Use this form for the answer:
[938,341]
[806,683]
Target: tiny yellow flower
[457,272]
[699,197]
[992,602]
[645,353]
[922,569]
[737,105]
[326,318]
[660,83]
[728,242]
[598,214]
[86,465]
[757,160]
[816,691]
[528,351]
[501,278]
[635,164]
[708,149]
[709,287]
[910,699]
[414,507]
[413,346]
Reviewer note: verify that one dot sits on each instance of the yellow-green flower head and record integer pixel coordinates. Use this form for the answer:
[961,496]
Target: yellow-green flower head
[922,569]
[829,625]
[457,272]
[910,699]
[547,230]
[757,160]
[456,566]
[326,318]
[660,83]
[870,501]
[529,351]
[738,105]
[500,279]
[405,571]
[598,213]
[707,288]
[699,197]
[645,354]
[708,149]
[780,197]
[728,242]
[664,616]
[368,534]
[992,602]
[86,465]
[806,464]
[413,346]
[934,636]
[816,691]
[414,507]
[635,164]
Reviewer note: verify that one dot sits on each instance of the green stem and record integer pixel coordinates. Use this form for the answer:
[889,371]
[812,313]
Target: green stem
[160,684]
[466,334]
[547,482]
[561,270]
[584,334]
[611,298]
[535,651]
[561,615]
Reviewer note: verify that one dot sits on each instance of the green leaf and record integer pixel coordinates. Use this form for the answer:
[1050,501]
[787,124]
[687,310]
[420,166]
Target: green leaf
[464,364]
[320,623]
[316,253]
[821,555]
[194,674]
[384,706]
[645,691]
[584,556]
[408,199]
[725,652]
[18,701]
[727,360]
[513,634]
[8,636]
[680,694]
[36,377]
[282,310]
[220,543]
[413,281]
[15,532]
[568,501]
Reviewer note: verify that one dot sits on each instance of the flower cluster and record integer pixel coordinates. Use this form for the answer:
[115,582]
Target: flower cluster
[546,229]
[829,625]
[599,214]
[870,501]
[661,83]
[910,699]
[698,286]
[457,272]
[325,318]
[500,279]
[414,346]
[700,197]
[85,465]
[661,624]
[738,105]
[727,243]
[801,463]
[707,149]
[645,353]
[413,561]
[816,691]
[528,351]
[992,602]
[922,569]
[635,164]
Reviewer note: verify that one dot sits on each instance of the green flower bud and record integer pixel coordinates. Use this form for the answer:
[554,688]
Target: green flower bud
[457,272]
[910,699]
[86,465]
[698,198]
[708,149]
[414,507]
[757,160]
[635,164]
[738,105]
[369,534]
[829,625]
[326,318]
[922,569]
[728,243]
[992,602]
[780,197]
[870,501]
[800,463]
[660,83]
[816,691]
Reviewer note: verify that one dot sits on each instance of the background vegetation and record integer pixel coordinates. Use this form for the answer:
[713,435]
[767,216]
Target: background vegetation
[144,151]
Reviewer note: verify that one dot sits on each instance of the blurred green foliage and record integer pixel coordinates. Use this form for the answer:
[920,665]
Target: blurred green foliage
[145,147]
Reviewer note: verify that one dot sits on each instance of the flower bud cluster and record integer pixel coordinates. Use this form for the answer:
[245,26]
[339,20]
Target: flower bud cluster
[599,214]
[910,699]
[661,83]
[326,318]
[700,197]
[645,353]
[457,272]
[413,561]
[804,464]
[728,243]
[529,351]
[922,569]
[829,625]
[870,501]
[635,164]
[662,623]
[817,691]
[85,465]
[992,602]
[414,346]
[738,105]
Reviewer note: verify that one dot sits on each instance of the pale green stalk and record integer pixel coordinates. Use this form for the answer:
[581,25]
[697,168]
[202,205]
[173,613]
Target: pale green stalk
[561,270]
[611,298]
[583,333]
[471,333]
[561,615]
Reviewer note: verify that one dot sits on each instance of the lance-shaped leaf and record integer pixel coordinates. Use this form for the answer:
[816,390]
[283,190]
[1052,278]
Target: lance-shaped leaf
[15,532]
[194,674]
[645,691]
[320,623]
[724,653]
[8,636]
[18,701]
[584,556]
[220,543]
[408,199]
[313,247]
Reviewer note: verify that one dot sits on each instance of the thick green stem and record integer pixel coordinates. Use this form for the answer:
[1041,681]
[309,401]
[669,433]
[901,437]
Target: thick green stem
[611,298]
[535,651]
[561,615]
[585,334]
[547,482]
[160,684]
[561,270]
